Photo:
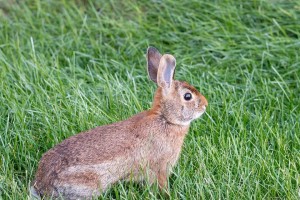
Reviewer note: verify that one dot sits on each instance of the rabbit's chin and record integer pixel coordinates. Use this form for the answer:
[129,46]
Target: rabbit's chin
[198,114]
[188,121]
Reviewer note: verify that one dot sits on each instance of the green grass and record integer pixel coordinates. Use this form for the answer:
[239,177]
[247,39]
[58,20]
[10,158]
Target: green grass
[68,66]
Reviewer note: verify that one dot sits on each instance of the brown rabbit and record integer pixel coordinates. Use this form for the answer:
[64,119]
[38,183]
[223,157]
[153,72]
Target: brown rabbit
[145,146]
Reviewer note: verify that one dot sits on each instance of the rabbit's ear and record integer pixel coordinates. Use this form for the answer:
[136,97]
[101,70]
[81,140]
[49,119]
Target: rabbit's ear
[153,59]
[166,71]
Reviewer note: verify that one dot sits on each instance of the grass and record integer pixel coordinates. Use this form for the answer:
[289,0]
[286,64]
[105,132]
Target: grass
[68,66]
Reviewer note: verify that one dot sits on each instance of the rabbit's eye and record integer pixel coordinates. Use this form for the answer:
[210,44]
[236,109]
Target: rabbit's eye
[187,96]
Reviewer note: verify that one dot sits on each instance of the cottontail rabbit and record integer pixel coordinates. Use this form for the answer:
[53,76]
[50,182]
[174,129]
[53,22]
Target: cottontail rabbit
[145,146]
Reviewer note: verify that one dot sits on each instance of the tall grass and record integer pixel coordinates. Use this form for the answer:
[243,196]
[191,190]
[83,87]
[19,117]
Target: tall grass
[68,66]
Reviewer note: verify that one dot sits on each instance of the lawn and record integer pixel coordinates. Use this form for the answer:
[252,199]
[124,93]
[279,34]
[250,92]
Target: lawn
[68,66]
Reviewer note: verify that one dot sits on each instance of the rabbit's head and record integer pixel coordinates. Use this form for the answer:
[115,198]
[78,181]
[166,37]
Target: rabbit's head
[176,101]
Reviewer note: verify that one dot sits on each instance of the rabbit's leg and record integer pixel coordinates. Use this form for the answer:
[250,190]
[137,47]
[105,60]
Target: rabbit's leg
[78,191]
[160,174]
[78,185]
[162,177]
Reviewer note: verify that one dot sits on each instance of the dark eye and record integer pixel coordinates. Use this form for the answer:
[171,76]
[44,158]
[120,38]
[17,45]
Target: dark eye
[187,96]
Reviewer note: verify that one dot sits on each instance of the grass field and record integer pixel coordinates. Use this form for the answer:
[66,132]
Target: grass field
[68,66]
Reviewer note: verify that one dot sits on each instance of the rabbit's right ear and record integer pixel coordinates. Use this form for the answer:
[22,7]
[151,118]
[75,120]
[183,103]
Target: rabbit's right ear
[165,72]
[153,59]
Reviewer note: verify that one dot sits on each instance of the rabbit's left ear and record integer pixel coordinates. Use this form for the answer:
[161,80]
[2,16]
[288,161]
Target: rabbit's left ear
[153,59]
[166,71]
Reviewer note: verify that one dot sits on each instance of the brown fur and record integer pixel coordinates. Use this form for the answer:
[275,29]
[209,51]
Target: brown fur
[145,146]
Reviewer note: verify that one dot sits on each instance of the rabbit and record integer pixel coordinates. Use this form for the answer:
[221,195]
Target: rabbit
[144,147]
